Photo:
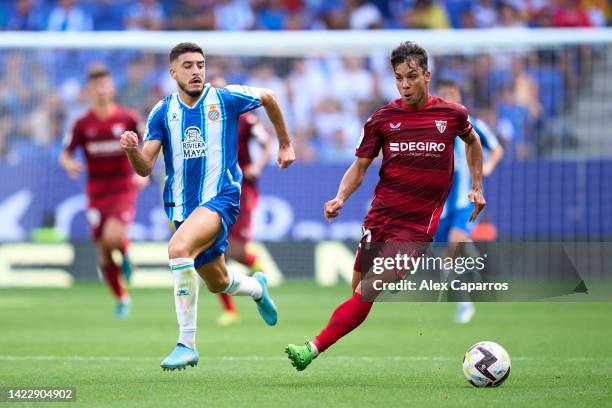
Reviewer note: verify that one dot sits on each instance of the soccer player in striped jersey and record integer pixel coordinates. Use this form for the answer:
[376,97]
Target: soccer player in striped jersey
[455,226]
[198,130]
[112,185]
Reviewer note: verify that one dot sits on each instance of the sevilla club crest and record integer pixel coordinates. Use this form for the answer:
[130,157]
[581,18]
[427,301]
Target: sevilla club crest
[441,125]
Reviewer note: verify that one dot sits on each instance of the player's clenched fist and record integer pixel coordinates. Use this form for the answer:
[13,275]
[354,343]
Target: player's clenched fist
[286,156]
[331,209]
[477,197]
[129,140]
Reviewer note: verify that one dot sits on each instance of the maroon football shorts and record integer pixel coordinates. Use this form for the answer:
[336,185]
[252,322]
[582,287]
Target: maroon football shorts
[119,206]
[386,241]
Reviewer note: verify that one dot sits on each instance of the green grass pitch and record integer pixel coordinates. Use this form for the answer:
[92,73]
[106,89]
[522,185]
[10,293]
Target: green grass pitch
[405,354]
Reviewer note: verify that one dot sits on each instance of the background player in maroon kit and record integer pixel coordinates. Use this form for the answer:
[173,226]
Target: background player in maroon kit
[416,135]
[112,185]
[241,233]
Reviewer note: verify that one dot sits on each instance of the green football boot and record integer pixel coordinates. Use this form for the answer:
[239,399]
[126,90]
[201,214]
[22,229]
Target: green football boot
[300,356]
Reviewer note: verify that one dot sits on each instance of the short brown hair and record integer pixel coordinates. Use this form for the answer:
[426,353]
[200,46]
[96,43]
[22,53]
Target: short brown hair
[97,71]
[183,48]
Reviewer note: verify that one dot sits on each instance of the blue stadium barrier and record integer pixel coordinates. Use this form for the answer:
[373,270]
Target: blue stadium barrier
[527,200]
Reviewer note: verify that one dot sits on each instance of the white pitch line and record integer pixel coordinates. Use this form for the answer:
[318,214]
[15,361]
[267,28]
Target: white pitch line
[224,358]
[279,358]
[75,358]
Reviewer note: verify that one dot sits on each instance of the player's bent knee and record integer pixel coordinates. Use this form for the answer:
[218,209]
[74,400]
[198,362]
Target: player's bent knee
[218,285]
[110,242]
[178,249]
[458,235]
[104,250]
[105,257]
[112,234]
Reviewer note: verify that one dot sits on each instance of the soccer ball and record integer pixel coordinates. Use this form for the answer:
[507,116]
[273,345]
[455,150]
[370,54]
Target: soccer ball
[486,364]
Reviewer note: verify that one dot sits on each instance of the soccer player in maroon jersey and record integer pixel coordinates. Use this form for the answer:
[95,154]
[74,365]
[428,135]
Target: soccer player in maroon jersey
[416,135]
[241,233]
[112,185]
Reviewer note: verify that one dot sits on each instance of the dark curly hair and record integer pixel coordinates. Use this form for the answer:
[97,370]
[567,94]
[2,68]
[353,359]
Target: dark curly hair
[409,51]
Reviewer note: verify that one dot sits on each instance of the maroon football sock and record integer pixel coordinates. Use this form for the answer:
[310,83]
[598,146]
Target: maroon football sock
[125,245]
[111,274]
[228,303]
[345,318]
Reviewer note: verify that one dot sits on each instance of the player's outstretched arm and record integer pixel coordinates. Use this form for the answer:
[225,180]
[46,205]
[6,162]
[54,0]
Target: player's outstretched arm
[473,152]
[490,143]
[141,160]
[350,182]
[73,167]
[497,153]
[269,101]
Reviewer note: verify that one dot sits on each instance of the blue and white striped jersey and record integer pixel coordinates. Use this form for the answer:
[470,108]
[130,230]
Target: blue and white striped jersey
[462,180]
[200,146]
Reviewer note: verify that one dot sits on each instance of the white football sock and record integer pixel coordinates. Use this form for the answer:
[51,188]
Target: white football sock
[242,285]
[185,299]
[314,348]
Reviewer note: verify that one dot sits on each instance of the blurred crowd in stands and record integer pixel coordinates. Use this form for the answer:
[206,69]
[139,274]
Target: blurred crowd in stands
[523,96]
[62,15]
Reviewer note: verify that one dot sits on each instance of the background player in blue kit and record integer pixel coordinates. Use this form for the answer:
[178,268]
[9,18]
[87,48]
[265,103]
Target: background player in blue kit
[198,130]
[455,227]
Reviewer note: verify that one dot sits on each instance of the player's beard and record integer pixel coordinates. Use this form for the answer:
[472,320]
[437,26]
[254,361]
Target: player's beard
[193,94]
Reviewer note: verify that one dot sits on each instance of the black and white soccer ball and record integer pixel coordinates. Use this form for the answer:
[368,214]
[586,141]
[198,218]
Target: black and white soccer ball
[486,364]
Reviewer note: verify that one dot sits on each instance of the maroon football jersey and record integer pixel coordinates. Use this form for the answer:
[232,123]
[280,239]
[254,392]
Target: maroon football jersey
[108,169]
[417,164]
[245,124]
[245,134]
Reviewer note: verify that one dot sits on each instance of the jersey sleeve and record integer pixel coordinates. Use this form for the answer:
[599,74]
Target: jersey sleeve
[487,137]
[245,98]
[464,127]
[370,142]
[73,138]
[155,128]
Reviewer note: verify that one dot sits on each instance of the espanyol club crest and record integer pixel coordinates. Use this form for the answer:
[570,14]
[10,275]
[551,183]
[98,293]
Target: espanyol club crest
[193,144]
[213,113]
[441,125]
